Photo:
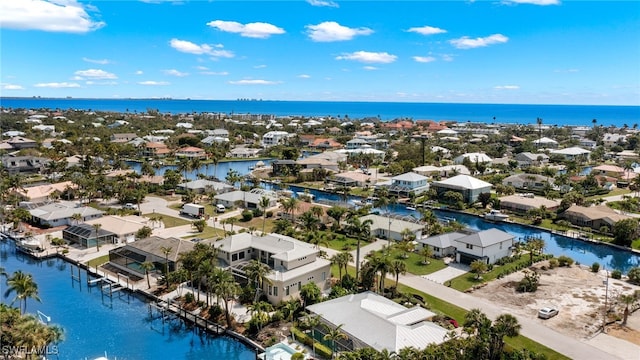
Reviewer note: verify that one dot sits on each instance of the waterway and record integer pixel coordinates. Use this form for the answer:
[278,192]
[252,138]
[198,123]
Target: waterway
[243,167]
[95,325]
[581,251]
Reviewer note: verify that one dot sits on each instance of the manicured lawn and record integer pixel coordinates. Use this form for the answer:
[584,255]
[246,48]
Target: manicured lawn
[256,222]
[414,262]
[98,261]
[208,233]
[468,280]
[169,221]
[342,242]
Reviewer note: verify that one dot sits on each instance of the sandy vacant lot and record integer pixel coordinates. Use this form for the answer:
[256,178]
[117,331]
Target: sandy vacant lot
[577,292]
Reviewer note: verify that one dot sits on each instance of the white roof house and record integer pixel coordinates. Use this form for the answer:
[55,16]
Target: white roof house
[469,186]
[406,183]
[250,199]
[371,320]
[487,245]
[380,226]
[545,142]
[473,157]
[442,244]
[573,153]
[61,213]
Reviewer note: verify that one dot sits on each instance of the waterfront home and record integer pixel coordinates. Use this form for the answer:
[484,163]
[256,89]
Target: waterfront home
[468,186]
[390,228]
[87,235]
[293,263]
[371,320]
[62,213]
[486,245]
[246,199]
[356,143]
[442,244]
[45,192]
[326,160]
[610,139]
[202,186]
[521,203]
[573,153]
[408,183]
[594,217]
[130,257]
[352,178]
[546,143]
[473,158]
[191,152]
[533,182]
[24,164]
[443,171]
[155,150]
[527,159]
[273,138]
[243,152]
[613,171]
[124,228]
[284,167]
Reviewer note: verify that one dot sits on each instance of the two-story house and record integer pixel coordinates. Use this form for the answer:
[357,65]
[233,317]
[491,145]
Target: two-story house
[407,183]
[487,245]
[293,263]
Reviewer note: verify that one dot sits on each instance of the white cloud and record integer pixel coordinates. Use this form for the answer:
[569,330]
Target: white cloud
[446,57]
[260,66]
[507,87]
[96,61]
[533,2]
[174,72]
[257,30]
[304,76]
[139,72]
[101,82]
[47,15]
[12,87]
[217,73]
[57,85]
[202,68]
[427,30]
[370,68]
[424,59]
[192,48]
[368,57]
[567,71]
[153,83]
[93,74]
[332,31]
[466,42]
[323,3]
[254,82]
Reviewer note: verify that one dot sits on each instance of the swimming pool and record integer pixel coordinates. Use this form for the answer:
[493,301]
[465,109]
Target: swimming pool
[279,351]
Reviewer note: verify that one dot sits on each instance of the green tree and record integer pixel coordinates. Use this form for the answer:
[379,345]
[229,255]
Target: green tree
[97,227]
[166,250]
[625,231]
[310,294]
[147,266]
[333,335]
[478,267]
[264,204]
[23,285]
[398,268]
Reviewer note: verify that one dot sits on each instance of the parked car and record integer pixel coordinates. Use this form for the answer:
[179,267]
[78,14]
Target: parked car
[547,313]
[220,208]
[129,206]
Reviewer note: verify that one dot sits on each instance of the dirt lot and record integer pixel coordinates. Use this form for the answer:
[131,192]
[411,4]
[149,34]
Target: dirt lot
[577,292]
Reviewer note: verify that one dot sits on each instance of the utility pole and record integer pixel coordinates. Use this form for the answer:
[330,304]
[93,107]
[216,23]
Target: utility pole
[606,300]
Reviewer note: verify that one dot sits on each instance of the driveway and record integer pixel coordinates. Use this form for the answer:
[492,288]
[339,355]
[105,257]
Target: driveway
[450,272]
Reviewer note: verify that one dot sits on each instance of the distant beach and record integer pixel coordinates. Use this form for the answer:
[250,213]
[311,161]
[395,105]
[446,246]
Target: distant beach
[560,115]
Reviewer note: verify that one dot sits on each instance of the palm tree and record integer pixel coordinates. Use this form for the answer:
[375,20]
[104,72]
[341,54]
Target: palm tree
[398,268]
[333,335]
[257,274]
[359,230]
[289,206]
[97,227]
[226,289]
[147,266]
[24,286]
[539,122]
[426,252]
[627,300]
[264,204]
[166,251]
[76,217]
[504,325]
[309,221]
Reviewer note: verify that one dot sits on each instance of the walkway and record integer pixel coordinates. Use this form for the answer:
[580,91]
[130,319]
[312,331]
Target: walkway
[450,272]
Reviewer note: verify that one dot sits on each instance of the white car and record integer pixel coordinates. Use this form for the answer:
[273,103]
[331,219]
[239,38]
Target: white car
[547,313]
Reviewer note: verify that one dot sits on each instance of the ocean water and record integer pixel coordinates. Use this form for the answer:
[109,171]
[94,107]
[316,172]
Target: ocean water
[483,113]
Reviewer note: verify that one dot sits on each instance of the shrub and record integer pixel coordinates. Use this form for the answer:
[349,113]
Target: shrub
[565,261]
[595,267]
[257,212]
[616,274]
[277,316]
[297,356]
[189,298]
[530,282]
[634,275]
[323,351]
[247,215]
[215,311]
[269,214]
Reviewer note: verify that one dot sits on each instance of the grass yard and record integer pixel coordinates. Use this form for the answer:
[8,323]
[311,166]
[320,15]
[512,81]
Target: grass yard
[169,221]
[256,222]
[414,262]
[468,280]
[208,233]
[98,261]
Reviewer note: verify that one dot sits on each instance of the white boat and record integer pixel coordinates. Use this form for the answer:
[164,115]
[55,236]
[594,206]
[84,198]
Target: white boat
[305,195]
[30,243]
[410,208]
[496,215]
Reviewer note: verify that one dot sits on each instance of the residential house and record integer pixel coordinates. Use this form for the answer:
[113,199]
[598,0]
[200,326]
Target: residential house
[545,142]
[473,158]
[155,150]
[521,203]
[356,143]
[390,228]
[325,144]
[352,178]
[130,257]
[62,213]
[487,245]
[44,193]
[442,244]
[243,152]
[526,159]
[19,143]
[87,235]
[191,152]
[610,139]
[532,182]
[327,160]
[122,138]
[273,138]
[284,167]
[293,263]
[468,186]
[372,321]
[249,199]
[202,186]
[24,164]
[124,228]
[573,153]
[594,217]
[212,139]
[443,171]
[408,183]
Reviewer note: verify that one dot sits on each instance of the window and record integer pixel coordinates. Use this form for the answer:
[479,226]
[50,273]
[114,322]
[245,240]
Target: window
[500,246]
[299,285]
[469,246]
[234,257]
[324,275]
[270,289]
[275,291]
[286,291]
[241,255]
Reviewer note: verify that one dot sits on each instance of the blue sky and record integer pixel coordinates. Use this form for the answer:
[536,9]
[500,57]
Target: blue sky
[504,51]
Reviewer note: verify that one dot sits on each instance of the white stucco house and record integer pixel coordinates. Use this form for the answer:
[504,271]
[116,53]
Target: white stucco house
[408,183]
[387,227]
[468,186]
[487,245]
